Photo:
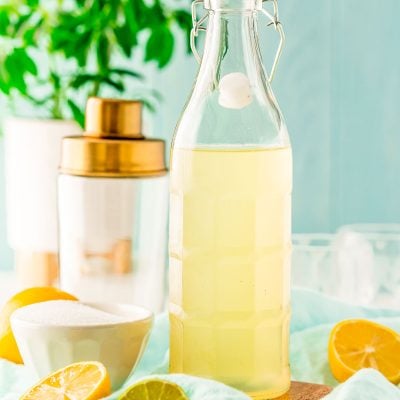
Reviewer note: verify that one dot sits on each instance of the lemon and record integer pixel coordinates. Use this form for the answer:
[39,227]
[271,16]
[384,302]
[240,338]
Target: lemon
[154,389]
[8,346]
[79,381]
[356,344]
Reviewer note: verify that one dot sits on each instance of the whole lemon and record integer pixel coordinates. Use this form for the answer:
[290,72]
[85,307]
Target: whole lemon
[8,346]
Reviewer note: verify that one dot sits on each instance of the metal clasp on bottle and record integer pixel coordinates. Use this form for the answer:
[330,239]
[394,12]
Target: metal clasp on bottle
[199,25]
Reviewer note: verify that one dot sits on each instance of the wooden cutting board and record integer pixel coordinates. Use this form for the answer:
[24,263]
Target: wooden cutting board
[306,391]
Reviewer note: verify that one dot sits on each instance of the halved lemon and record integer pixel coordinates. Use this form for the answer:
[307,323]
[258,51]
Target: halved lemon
[8,346]
[79,381]
[358,343]
[154,389]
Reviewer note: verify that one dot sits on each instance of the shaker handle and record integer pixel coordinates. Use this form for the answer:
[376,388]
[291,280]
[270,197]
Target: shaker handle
[274,20]
[197,27]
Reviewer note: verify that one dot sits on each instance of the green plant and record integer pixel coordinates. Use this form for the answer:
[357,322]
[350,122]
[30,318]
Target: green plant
[53,54]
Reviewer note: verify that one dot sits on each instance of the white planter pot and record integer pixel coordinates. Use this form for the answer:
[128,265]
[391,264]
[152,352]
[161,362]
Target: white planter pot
[32,158]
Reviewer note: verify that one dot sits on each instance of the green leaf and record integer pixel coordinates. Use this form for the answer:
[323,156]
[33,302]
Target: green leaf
[80,49]
[71,42]
[156,14]
[60,38]
[184,20]
[4,85]
[160,46]
[114,9]
[56,80]
[126,33]
[16,71]
[103,53]
[4,22]
[29,64]
[132,11]
[29,35]
[16,65]
[21,22]
[80,21]
[123,36]
[137,12]
[156,94]
[32,3]
[17,80]
[76,112]
[39,102]
[119,86]
[20,59]
[121,71]
[148,104]
[4,88]
[82,79]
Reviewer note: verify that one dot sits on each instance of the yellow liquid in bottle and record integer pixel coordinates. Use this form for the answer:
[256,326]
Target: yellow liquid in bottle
[230,267]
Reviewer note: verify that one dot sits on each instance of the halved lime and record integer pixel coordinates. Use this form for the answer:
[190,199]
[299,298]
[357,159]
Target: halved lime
[154,389]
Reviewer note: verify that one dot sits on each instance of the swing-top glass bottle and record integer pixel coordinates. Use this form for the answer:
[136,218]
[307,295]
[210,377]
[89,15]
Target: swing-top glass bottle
[231,182]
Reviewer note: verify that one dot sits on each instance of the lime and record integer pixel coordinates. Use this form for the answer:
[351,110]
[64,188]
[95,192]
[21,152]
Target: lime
[154,389]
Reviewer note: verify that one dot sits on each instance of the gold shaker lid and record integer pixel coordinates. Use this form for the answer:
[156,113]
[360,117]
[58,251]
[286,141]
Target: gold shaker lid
[112,144]
[112,118]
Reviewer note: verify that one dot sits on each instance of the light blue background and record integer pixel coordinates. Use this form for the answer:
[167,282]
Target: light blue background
[338,85]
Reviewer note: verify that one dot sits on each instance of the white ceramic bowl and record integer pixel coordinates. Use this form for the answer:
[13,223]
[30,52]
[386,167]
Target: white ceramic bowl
[46,348]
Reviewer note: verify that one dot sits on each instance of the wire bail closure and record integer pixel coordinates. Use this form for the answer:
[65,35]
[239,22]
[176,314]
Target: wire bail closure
[198,25]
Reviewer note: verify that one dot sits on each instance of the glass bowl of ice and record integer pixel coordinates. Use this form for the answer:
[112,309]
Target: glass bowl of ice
[53,334]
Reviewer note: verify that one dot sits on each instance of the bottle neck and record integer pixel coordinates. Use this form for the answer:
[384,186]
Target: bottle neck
[232,47]
[232,101]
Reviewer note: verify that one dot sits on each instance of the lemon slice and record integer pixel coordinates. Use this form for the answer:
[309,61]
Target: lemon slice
[8,346]
[154,389]
[356,344]
[79,381]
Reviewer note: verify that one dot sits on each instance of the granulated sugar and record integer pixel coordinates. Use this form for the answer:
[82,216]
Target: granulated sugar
[66,313]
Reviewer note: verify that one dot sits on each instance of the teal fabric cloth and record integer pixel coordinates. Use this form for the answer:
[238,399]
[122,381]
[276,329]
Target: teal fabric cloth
[367,384]
[312,319]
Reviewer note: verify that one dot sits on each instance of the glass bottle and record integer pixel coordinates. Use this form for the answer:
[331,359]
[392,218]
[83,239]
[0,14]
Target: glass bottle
[230,213]
[113,208]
